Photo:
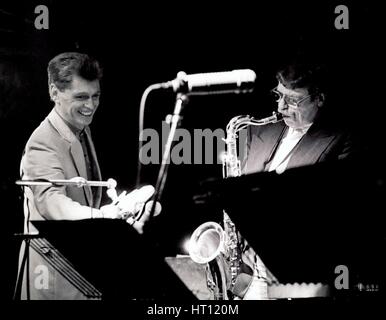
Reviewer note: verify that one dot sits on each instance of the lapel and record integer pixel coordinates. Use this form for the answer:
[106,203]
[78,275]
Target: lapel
[76,150]
[262,145]
[310,147]
[95,166]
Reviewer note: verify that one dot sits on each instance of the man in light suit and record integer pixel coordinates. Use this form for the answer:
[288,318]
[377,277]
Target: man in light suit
[62,148]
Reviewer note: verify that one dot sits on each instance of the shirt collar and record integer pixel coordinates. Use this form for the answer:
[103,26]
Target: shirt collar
[301,130]
[77,132]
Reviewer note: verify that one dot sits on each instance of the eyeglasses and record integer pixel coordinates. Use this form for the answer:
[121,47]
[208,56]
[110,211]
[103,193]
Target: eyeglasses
[290,101]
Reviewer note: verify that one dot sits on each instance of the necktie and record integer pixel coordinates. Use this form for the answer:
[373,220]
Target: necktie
[86,154]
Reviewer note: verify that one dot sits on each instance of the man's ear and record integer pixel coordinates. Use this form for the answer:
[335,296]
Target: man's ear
[53,92]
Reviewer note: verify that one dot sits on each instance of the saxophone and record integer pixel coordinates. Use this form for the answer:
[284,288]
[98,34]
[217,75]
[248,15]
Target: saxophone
[218,247]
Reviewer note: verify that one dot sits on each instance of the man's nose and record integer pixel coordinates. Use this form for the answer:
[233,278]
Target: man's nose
[89,104]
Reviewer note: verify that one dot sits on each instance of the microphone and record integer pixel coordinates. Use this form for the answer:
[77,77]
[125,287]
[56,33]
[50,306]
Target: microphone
[235,81]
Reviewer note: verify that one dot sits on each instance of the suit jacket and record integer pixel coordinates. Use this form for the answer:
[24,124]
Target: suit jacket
[320,143]
[54,152]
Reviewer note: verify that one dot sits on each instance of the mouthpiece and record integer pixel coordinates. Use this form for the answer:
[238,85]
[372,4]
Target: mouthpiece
[279,116]
[276,117]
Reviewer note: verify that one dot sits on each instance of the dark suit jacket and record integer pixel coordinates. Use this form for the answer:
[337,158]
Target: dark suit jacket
[320,143]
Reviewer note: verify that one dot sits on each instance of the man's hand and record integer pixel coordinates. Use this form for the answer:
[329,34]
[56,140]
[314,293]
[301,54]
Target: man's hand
[134,204]
[139,224]
[133,207]
[111,211]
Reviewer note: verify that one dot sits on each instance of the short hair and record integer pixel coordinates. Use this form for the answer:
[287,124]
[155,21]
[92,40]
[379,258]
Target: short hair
[64,66]
[309,75]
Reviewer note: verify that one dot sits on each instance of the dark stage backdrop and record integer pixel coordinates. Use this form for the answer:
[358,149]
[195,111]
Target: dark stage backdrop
[143,43]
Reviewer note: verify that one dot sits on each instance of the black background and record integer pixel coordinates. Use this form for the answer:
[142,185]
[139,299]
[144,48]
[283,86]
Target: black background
[143,43]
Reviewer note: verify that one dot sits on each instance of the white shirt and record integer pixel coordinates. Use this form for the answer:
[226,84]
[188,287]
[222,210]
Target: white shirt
[286,146]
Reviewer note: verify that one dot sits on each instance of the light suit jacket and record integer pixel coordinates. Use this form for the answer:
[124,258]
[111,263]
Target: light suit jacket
[53,152]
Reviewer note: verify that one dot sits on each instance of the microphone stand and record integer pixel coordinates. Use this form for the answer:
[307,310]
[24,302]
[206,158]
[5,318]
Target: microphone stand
[30,235]
[77,181]
[174,120]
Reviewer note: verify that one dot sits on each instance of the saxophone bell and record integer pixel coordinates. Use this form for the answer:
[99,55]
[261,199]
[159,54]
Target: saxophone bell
[207,242]
[207,245]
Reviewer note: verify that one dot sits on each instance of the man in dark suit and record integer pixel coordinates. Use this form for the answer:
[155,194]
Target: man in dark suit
[307,134]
